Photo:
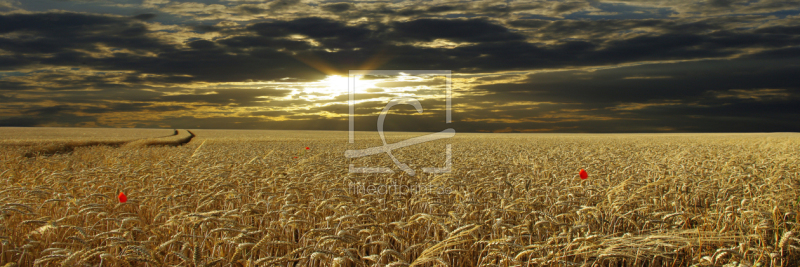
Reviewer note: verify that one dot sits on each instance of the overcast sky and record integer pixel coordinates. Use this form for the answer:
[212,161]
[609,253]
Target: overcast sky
[517,66]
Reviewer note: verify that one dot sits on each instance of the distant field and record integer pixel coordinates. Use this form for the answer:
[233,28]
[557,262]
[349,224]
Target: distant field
[32,142]
[260,198]
[50,134]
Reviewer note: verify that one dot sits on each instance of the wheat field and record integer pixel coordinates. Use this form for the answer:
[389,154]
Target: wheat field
[260,198]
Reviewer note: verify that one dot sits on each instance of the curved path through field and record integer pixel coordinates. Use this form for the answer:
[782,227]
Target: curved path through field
[42,142]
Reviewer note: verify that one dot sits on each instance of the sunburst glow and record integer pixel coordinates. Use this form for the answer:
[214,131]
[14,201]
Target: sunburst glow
[325,89]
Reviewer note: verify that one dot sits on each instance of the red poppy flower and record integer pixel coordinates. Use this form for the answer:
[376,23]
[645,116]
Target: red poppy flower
[583,174]
[307,148]
[122,197]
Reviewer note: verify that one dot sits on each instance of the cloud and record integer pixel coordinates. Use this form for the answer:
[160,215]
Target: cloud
[278,5]
[570,7]
[49,117]
[763,94]
[9,5]
[240,97]
[269,51]
[690,96]
[311,27]
[146,16]
[532,66]
[271,113]
[687,81]
[49,111]
[153,3]
[50,33]
[13,86]
[131,107]
[474,30]
[338,7]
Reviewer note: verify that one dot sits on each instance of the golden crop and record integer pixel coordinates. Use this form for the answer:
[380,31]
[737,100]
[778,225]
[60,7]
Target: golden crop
[240,198]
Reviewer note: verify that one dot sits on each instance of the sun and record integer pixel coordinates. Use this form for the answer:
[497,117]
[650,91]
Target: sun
[328,88]
[335,83]
[333,87]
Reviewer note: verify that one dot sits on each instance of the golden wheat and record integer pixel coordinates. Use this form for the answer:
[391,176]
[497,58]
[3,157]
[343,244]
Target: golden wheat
[241,198]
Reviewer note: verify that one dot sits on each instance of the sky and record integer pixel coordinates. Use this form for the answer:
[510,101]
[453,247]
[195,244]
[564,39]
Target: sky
[516,66]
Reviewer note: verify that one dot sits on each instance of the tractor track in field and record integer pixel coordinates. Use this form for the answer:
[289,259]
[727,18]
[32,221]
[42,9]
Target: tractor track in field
[58,147]
[175,140]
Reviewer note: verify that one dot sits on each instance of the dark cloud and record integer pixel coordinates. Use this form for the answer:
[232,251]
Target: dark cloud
[53,23]
[6,98]
[12,62]
[529,23]
[130,107]
[202,44]
[13,86]
[63,80]
[49,117]
[432,11]
[437,9]
[67,35]
[239,97]
[608,29]
[783,53]
[19,122]
[206,28]
[524,55]
[251,9]
[146,16]
[49,111]
[330,34]
[679,81]
[212,65]
[474,30]
[569,6]
[721,3]
[282,4]
[747,94]
[338,7]
[260,57]
[311,27]
[245,42]
[46,114]
[62,32]
[783,31]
